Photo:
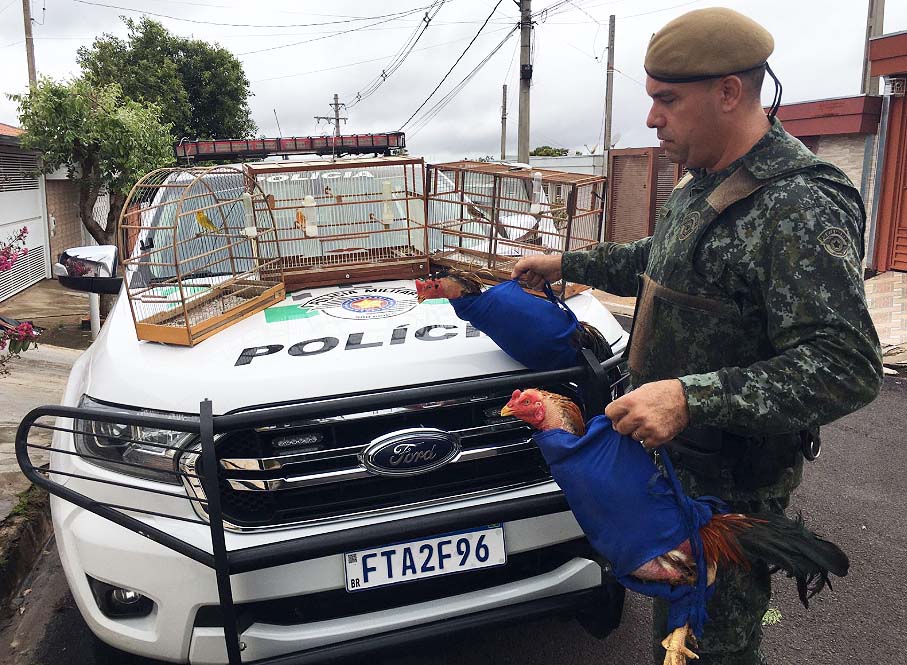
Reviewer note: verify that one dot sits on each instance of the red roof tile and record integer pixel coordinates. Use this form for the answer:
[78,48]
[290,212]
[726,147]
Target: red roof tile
[9,130]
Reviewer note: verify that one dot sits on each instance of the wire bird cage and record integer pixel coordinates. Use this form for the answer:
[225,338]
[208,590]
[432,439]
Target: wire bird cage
[198,251]
[346,221]
[483,217]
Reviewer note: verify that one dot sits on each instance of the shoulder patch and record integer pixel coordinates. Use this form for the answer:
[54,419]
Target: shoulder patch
[835,241]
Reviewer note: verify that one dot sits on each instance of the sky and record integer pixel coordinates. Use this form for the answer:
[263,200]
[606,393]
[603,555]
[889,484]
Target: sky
[296,60]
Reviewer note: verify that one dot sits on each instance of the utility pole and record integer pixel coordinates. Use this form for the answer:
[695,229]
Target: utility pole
[29,44]
[336,118]
[609,93]
[525,79]
[504,125]
[874,19]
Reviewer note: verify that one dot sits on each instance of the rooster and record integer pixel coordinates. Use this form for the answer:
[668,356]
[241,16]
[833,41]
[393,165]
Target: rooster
[727,539]
[454,284]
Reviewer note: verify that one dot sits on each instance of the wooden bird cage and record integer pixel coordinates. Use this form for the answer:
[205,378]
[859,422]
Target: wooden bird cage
[483,217]
[348,220]
[198,251]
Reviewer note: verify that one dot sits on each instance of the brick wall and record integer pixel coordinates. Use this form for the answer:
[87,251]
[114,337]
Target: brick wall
[63,205]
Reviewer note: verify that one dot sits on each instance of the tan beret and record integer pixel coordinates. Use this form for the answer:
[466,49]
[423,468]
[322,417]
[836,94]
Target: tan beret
[707,43]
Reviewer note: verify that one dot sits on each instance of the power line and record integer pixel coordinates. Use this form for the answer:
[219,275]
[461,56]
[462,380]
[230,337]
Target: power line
[328,36]
[250,25]
[359,62]
[430,115]
[401,55]
[471,42]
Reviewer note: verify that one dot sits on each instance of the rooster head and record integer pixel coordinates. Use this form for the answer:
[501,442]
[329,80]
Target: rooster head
[527,405]
[544,411]
[427,289]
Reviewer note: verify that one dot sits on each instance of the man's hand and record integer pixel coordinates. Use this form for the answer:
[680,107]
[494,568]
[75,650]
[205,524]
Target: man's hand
[537,269]
[652,414]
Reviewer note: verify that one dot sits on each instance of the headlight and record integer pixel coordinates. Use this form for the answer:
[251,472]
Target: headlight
[149,453]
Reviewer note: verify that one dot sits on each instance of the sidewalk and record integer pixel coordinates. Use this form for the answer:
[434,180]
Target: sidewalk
[36,378]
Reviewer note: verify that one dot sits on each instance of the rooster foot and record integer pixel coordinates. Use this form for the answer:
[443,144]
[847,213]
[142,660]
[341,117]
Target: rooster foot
[675,646]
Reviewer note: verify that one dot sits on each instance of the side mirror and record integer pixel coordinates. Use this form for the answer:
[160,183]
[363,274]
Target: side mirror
[91,269]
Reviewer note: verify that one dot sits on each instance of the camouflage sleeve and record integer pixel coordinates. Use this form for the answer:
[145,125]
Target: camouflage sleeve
[810,283]
[609,266]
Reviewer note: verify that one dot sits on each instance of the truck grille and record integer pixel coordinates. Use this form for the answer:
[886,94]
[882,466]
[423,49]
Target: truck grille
[307,471]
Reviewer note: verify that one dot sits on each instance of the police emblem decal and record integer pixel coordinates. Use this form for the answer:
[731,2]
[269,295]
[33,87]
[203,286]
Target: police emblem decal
[835,241]
[364,302]
[690,223]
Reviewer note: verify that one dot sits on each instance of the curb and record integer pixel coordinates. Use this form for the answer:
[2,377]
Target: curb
[22,537]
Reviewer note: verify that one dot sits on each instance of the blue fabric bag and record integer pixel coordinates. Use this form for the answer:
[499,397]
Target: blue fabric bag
[630,511]
[531,330]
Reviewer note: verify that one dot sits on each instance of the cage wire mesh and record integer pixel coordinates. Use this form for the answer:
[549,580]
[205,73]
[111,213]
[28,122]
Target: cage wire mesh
[339,222]
[483,217]
[192,246]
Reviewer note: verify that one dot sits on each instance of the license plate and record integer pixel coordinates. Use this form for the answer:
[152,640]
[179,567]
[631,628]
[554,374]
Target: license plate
[421,559]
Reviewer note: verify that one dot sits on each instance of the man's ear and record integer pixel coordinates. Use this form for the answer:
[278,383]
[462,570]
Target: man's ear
[731,91]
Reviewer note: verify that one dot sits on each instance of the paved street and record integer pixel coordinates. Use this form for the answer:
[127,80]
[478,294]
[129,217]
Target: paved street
[854,494]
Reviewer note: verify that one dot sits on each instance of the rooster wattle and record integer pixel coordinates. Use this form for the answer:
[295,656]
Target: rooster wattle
[613,487]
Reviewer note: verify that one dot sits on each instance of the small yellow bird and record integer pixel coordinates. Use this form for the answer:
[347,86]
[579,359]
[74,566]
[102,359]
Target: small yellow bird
[300,219]
[204,221]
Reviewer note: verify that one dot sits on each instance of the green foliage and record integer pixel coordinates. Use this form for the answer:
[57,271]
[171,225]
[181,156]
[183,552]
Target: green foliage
[548,151]
[201,88]
[772,617]
[104,140]
[81,126]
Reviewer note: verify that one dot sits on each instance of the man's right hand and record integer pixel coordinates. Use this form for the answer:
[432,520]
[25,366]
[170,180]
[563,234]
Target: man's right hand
[535,270]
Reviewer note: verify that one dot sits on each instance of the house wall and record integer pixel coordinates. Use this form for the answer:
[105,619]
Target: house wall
[847,152]
[63,210]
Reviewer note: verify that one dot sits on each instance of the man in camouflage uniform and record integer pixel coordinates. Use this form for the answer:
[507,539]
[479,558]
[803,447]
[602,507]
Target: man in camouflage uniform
[751,327]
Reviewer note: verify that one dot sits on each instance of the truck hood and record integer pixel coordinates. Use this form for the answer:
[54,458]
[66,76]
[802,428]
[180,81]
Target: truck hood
[316,343]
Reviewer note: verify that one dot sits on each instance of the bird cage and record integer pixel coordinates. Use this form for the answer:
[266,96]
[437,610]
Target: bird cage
[347,220]
[483,217]
[198,251]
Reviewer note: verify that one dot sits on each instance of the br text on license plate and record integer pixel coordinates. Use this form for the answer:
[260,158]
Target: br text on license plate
[419,559]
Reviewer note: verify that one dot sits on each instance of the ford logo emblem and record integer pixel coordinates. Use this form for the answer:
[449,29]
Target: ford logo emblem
[409,452]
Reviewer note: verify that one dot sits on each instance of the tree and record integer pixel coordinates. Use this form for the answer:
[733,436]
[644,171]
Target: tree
[548,151]
[106,142]
[201,88]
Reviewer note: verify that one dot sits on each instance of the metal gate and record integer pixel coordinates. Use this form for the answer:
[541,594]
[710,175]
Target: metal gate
[22,204]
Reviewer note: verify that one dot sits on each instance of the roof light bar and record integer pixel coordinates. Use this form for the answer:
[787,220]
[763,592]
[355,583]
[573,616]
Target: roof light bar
[356,144]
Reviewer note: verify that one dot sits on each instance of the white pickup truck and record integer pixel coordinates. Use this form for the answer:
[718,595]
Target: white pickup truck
[370,492]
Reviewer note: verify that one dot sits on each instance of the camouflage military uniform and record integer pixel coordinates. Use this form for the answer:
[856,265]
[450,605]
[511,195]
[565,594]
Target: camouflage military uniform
[751,293]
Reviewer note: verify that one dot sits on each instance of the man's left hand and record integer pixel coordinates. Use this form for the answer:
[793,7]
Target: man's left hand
[652,414]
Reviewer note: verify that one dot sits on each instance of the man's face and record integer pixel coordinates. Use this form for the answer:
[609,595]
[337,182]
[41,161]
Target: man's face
[685,115]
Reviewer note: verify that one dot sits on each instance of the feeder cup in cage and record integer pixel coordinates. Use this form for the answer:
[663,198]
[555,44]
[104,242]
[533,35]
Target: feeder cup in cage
[307,217]
[535,208]
[387,210]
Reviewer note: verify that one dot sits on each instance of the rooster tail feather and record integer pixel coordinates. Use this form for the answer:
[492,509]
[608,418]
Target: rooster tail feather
[589,337]
[786,544]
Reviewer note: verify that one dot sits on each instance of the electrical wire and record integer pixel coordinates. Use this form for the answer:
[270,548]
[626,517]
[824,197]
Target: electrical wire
[328,36]
[430,115]
[253,25]
[359,62]
[400,57]
[471,42]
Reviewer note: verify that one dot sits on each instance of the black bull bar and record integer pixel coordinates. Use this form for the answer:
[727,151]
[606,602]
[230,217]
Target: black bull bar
[592,377]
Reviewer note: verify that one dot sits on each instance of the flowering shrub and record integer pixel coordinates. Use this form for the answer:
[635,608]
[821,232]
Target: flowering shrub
[20,337]
[13,249]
